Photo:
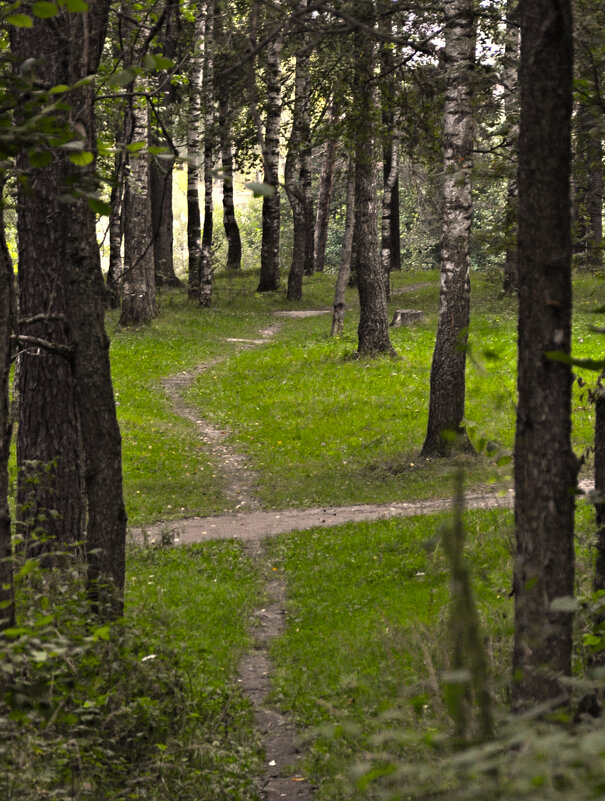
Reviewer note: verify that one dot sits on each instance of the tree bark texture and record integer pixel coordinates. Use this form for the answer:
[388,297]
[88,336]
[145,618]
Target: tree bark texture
[344,269]
[114,272]
[373,330]
[545,466]
[511,111]
[234,242]
[588,185]
[599,485]
[7,329]
[194,118]
[269,271]
[67,416]
[388,219]
[206,271]
[138,305]
[160,194]
[297,169]
[447,384]
[324,196]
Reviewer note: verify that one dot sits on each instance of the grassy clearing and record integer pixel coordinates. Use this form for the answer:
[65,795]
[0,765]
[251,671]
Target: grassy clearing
[367,634]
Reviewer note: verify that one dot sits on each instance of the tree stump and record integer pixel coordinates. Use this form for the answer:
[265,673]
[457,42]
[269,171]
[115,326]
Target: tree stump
[407,317]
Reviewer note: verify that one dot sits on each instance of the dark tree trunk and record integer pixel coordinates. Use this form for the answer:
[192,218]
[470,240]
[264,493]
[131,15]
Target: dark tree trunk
[194,223]
[447,390]
[114,273]
[138,306]
[545,466]
[160,194]
[234,242]
[7,328]
[511,110]
[388,221]
[588,186]
[344,269]
[395,231]
[373,330]
[269,271]
[297,174]
[206,271]
[599,485]
[67,418]
[326,185]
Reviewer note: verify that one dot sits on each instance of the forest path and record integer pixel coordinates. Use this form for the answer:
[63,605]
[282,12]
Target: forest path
[283,778]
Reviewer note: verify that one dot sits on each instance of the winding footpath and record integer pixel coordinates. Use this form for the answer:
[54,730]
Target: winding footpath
[283,776]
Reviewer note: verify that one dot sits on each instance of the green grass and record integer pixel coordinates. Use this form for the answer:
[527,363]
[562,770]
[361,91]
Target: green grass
[367,632]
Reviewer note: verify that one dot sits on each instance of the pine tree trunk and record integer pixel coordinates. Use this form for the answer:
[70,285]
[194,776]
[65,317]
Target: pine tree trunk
[269,271]
[138,306]
[588,186]
[447,385]
[194,118]
[545,466]
[599,485]
[326,185]
[234,242]
[160,186]
[511,110]
[206,271]
[344,269]
[7,329]
[373,330]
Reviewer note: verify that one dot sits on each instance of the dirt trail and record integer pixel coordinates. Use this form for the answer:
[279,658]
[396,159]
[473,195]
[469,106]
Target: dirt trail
[283,778]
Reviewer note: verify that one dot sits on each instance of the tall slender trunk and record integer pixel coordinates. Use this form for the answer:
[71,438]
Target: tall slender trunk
[114,273]
[7,329]
[269,271]
[344,269]
[373,330]
[234,242]
[545,466]
[588,185]
[194,118]
[388,221]
[511,110]
[206,271]
[326,185]
[160,195]
[297,169]
[138,305]
[599,484]
[447,389]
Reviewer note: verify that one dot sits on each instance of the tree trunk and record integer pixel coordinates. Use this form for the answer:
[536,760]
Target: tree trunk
[206,272]
[373,330]
[447,389]
[297,173]
[114,273]
[234,242]
[269,271]
[588,185]
[599,485]
[326,185]
[344,269]
[388,222]
[67,419]
[7,328]
[545,466]
[194,117]
[138,306]
[160,186]
[511,110]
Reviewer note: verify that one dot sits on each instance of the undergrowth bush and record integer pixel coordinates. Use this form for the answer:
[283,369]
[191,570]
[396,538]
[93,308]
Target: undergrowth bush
[88,711]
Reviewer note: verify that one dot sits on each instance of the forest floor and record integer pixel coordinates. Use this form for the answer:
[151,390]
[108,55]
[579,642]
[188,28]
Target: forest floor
[249,523]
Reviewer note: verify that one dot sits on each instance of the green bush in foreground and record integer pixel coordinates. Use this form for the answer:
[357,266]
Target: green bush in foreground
[96,711]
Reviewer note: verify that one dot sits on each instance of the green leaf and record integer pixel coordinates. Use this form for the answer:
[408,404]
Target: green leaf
[597,365]
[59,89]
[261,189]
[81,158]
[74,6]
[163,63]
[155,150]
[102,633]
[39,158]
[20,21]
[123,77]
[134,147]
[44,9]
[99,206]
